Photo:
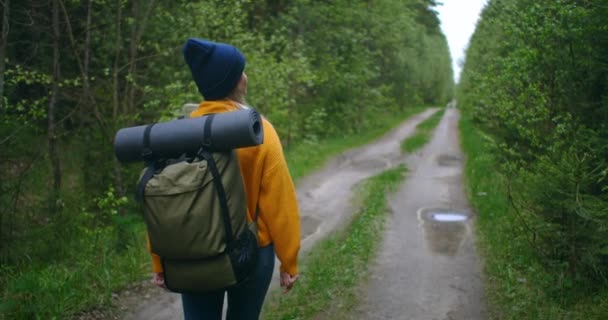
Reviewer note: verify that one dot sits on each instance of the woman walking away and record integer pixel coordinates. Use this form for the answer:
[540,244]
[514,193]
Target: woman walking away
[218,71]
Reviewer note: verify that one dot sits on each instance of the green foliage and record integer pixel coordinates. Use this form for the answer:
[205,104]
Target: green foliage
[319,70]
[323,288]
[535,82]
[573,218]
[28,108]
[518,284]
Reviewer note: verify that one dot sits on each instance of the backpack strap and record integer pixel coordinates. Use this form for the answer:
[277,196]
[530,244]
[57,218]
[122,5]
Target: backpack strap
[217,180]
[221,193]
[141,186]
[146,153]
[207,130]
[257,213]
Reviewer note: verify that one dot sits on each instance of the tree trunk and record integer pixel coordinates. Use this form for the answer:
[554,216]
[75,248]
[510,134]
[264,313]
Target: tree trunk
[115,94]
[5,237]
[115,102]
[88,98]
[87,46]
[52,130]
[130,83]
[3,46]
[137,31]
[292,107]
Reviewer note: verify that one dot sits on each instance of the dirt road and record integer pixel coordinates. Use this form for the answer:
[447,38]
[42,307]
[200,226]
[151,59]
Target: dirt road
[427,267]
[325,199]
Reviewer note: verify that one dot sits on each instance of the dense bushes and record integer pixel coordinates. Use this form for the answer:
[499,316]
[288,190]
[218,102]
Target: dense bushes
[536,80]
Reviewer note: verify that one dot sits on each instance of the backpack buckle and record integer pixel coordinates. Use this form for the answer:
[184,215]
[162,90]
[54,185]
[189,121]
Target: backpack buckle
[207,142]
[146,154]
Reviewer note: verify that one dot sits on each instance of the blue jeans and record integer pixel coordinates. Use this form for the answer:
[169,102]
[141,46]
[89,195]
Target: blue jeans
[244,302]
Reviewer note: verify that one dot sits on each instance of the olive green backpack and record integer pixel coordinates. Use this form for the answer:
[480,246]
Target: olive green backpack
[196,216]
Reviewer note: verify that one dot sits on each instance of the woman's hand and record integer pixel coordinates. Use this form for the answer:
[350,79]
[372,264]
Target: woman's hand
[158,279]
[287,281]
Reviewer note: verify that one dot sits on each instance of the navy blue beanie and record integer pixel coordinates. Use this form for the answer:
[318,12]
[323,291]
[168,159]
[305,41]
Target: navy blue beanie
[216,67]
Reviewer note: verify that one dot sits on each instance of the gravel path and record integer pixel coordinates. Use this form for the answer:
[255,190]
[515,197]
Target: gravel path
[427,267]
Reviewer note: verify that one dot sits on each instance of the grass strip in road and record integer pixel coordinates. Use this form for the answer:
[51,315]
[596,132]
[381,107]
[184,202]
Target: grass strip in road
[336,266]
[423,133]
[517,285]
[307,157]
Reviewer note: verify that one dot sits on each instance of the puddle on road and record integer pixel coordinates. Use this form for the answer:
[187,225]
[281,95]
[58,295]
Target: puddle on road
[444,229]
[370,164]
[448,217]
[449,160]
[308,226]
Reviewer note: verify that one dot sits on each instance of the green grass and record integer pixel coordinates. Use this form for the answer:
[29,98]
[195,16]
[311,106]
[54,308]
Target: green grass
[336,266]
[90,274]
[517,285]
[423,134]
[304,158]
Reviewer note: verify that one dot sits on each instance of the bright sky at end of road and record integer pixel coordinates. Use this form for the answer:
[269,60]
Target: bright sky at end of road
[458,20]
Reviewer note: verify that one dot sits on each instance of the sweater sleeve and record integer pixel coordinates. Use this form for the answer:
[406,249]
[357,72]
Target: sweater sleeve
[278,204]
[157,267]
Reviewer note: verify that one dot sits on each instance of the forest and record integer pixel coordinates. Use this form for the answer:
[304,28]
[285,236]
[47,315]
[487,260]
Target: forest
[73,72]
[535,83]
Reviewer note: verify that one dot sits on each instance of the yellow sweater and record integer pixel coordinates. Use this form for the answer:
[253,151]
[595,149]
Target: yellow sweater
[269,185]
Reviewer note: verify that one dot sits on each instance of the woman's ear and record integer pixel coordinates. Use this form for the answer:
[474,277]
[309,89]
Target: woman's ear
[240,90]
[243,83]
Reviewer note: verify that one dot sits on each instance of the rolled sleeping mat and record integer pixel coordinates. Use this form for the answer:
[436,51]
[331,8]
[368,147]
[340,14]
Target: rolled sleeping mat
[171,139]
